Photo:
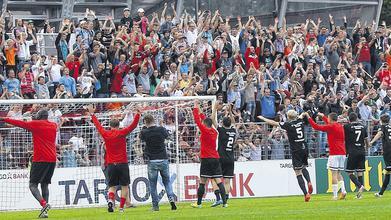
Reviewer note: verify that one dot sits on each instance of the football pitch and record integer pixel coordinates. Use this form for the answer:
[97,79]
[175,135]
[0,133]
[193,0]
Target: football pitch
[292,207]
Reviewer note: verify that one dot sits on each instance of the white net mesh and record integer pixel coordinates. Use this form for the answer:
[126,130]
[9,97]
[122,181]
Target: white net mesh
[78,179]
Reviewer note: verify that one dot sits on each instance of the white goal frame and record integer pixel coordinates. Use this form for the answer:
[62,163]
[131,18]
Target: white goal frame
[177,187]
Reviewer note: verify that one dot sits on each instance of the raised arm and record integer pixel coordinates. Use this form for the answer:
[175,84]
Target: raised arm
[324,118]
[132,126]
[18,123]
[197,118]
[214,115]
[98,126]
[268,121]
[377,137]
[315,126]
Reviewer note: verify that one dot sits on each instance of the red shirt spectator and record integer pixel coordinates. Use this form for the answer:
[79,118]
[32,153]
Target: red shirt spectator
[252,56]
[212,61]
[26,82]
[73,66]
[364,54]
[119,71]
[384,76]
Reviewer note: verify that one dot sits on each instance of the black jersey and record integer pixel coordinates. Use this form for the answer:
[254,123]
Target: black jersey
[226,142]
[295,131]
[386,129]
[355,135]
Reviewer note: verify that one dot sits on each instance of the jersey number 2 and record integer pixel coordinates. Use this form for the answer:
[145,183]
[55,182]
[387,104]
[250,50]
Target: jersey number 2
[230,142]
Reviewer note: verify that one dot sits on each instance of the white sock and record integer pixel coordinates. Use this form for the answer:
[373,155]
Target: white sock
[335,190]
[342,185]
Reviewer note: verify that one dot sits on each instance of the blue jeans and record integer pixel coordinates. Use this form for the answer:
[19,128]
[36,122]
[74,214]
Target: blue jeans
[154,167]
[367,67]
[250,107]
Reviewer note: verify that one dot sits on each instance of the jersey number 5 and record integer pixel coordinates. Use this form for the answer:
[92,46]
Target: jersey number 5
[299,132]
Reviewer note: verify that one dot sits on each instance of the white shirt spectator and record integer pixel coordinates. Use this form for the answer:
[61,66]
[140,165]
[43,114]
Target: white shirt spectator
[191,36]
[166,84]
[24,50]
[365,111]
[235,42]
[128,119]
[202,47]
[55,72]
[86,83]
[130,82]
[77,143]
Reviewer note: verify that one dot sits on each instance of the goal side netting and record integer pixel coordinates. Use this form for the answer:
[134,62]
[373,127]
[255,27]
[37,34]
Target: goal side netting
[78,180]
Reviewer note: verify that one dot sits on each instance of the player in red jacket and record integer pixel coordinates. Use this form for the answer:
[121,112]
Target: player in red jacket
[210,164]
[337,153]
[116,156]
[44,156]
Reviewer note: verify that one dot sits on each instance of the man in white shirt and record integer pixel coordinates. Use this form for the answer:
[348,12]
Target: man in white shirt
[129,81]
[166,82]
[191,33]
[204,45]
[24,49]
[54,70]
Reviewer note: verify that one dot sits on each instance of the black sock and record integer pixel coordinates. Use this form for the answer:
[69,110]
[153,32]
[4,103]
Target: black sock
[361,179]
[222,192]
[45,191]
[306,175]
[300,180]
[200,193]
[354,179]
[385,183]
[35,191]
[217,194]
[226,196]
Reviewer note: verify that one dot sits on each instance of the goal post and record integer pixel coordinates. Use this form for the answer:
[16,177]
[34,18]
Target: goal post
[78,180]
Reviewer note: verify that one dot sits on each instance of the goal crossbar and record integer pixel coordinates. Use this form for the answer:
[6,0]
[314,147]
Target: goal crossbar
[105,100]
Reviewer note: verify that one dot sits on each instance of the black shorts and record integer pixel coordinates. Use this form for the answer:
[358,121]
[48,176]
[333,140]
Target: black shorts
[210,168]
[356,162]
[387,161]
[299,159]
[118,174]
[227,168]
[42,172]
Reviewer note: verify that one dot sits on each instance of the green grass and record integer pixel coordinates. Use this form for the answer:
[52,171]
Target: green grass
[293,207]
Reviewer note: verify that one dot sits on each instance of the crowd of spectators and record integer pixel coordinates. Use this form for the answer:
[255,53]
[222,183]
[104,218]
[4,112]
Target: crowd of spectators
[317,66]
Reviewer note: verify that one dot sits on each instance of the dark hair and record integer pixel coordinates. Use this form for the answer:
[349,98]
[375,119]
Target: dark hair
[385,119]
[42,115]
[114,123]
[227,122]
[353,117]
[148,119]
[333,116]
[153,80]
[208,122]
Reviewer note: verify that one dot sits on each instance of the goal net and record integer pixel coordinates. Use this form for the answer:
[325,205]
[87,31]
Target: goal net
[78,180]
